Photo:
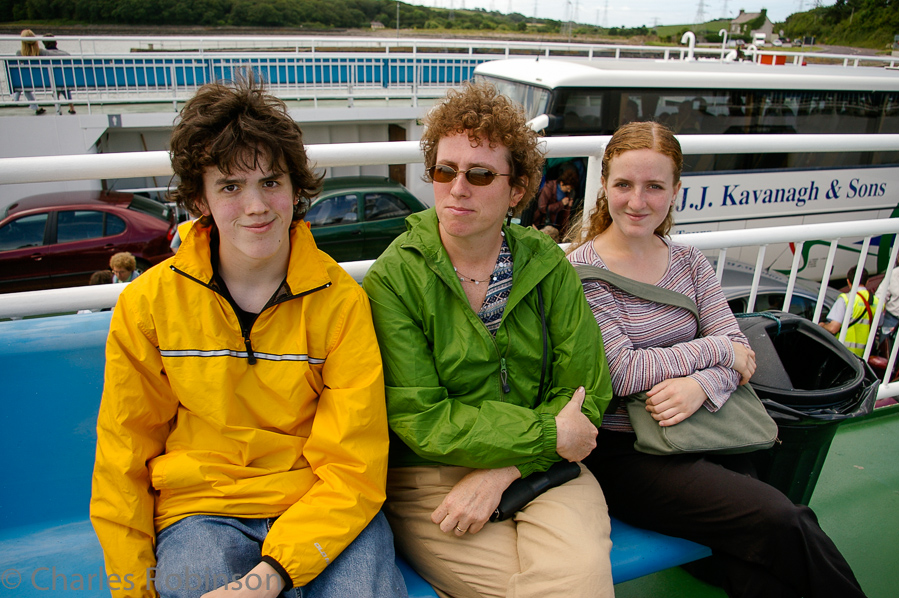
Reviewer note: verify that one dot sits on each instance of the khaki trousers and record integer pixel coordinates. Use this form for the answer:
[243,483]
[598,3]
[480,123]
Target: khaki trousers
[557,546]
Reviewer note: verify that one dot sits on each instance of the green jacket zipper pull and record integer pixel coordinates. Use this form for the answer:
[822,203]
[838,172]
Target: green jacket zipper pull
[504,375]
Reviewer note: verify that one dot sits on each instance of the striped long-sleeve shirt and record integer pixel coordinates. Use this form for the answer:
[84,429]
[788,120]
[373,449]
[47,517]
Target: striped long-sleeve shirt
[648,342]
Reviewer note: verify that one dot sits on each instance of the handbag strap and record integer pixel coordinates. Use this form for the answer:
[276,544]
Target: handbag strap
[638,289]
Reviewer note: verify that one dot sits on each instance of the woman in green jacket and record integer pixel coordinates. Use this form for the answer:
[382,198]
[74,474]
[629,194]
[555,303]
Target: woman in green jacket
[494,371]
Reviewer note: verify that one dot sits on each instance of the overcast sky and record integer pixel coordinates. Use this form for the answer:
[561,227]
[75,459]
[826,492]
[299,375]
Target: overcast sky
[632,13]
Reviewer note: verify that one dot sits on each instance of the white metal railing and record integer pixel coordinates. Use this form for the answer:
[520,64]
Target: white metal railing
[170,78]
[156,163]
[125,165]
[104,296]
[91,45]
[169,69]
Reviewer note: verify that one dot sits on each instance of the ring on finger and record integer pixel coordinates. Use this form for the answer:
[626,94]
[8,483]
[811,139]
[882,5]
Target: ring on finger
[461,531]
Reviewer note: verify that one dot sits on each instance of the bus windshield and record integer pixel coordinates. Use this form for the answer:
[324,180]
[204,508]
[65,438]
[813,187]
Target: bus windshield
[533,99]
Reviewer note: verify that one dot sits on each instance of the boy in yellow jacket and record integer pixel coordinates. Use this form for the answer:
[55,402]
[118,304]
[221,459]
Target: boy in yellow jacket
[242,434]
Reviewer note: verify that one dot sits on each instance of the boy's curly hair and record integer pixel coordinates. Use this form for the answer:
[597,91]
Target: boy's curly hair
[237,126]
[481,111]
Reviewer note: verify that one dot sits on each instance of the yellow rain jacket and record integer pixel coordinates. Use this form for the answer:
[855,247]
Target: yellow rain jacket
[285,420]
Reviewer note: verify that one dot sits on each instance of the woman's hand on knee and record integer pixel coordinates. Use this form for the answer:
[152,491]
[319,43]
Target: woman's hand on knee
[473,499]
[744,362]
[575,433]
[674,400]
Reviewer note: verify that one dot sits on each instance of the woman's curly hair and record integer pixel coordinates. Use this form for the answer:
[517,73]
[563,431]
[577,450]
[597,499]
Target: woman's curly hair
[632,136]
[237,126]
[481,111]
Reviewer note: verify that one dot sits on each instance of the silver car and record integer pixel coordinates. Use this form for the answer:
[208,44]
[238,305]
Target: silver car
[737,282]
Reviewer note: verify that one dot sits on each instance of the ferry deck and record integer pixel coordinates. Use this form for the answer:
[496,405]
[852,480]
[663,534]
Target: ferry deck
[857,494]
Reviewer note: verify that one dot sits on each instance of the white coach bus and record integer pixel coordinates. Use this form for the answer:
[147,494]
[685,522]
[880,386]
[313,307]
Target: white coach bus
[736,191]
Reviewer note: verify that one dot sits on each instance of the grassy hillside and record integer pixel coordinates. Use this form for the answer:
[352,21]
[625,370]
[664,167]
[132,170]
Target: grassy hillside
[859,23]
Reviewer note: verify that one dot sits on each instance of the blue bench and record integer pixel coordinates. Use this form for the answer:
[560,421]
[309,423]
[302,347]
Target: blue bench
[150,72]
[106,73]
[52,378]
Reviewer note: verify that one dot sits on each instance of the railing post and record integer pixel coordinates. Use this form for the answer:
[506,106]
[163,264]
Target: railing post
[174,77]
[881,306]
[756,277]
[593,182]
[794,271]
[722,259]
[828,268]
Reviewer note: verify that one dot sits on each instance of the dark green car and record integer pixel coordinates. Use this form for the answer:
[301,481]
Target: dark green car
[356,218]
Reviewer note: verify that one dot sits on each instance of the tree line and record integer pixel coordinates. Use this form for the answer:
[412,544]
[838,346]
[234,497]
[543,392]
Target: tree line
[861,23]
[316,14]
[870,23]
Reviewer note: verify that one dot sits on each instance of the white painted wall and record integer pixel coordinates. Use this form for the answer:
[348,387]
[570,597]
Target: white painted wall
[48,135]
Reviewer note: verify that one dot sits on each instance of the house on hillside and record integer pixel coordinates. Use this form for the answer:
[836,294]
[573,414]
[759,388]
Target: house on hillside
[740,25]
[377,25]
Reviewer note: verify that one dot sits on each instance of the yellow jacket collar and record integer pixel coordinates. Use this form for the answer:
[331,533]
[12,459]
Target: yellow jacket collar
[306,270]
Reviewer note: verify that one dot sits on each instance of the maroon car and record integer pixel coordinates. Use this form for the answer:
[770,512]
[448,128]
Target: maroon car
[59,239]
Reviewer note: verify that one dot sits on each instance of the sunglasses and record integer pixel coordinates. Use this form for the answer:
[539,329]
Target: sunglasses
[479,177]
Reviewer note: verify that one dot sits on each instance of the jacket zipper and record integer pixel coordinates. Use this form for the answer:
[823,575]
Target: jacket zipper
[504,375]
[503,372]
[251,356]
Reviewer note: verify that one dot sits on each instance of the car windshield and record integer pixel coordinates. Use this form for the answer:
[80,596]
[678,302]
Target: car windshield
[140,203]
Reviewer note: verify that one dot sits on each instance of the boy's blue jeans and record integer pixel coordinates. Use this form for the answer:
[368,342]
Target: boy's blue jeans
[203,552]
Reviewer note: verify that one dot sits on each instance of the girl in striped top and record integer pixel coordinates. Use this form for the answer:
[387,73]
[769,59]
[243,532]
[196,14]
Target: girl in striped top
[763,544]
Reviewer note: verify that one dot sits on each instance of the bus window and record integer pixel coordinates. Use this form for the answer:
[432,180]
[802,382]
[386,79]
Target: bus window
[693,112]
[629,112]
[580,110]
[889,122]
[778,113]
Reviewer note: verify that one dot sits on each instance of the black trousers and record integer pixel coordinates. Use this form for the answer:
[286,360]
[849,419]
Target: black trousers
[766,546]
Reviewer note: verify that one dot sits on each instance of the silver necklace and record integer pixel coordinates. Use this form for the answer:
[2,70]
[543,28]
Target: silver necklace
[464,278]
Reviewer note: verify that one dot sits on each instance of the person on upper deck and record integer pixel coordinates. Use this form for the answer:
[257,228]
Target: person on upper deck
[29,48]
[765,545]
[457,302]
[51,48]
[242,434]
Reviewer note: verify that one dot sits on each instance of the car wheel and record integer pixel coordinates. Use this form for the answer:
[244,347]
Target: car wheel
[143,265]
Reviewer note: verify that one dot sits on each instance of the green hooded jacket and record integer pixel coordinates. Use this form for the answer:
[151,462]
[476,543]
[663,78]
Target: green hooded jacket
[444,371]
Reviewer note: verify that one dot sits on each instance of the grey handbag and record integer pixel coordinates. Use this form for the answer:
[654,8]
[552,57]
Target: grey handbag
[741,425]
